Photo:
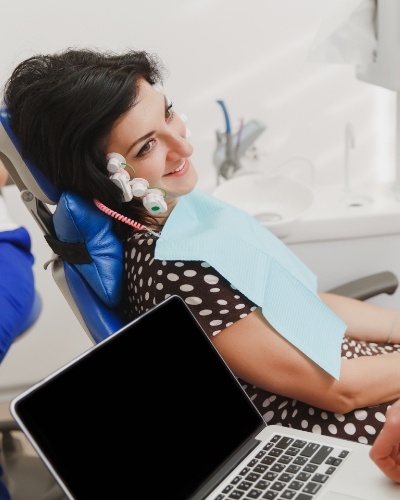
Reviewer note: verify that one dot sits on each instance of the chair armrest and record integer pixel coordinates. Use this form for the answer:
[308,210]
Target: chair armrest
[369,286]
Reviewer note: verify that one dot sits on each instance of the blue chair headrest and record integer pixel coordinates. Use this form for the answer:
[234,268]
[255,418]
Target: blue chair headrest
[79,221]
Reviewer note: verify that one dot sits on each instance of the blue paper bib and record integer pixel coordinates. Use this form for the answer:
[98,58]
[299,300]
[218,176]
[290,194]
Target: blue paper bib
[259,265]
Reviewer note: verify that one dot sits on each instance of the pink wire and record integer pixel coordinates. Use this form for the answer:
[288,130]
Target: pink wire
[118,216]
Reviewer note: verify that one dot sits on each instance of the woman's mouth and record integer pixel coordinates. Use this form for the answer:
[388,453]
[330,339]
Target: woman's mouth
[181,169]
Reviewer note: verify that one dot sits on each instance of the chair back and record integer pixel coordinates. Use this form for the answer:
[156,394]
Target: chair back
[87,262]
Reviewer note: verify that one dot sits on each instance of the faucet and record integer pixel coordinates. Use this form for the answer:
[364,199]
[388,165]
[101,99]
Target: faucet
[349,143]
[231,147]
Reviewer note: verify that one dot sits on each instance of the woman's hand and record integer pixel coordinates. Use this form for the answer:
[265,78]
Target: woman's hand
[385,451]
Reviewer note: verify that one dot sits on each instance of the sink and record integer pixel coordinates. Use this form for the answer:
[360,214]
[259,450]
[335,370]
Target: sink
[278,202]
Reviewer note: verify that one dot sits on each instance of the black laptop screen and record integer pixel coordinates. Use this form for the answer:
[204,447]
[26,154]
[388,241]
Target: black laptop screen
[151,410]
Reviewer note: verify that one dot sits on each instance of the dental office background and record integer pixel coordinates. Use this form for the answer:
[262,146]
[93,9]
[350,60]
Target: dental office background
[324,126]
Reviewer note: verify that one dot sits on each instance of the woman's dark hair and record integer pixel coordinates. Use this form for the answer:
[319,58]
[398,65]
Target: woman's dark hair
[63,107]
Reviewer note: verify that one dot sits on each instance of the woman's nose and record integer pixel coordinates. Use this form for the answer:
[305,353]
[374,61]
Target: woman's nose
[179,147]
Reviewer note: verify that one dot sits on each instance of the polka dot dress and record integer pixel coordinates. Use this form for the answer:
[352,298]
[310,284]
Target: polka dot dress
[362,425]
[216,305]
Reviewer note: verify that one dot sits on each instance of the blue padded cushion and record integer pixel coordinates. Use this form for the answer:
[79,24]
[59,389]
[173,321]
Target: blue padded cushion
[77,220]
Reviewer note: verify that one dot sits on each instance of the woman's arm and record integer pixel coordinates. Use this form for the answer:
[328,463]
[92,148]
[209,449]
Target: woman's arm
[365,321]
[258,354]
[385,451]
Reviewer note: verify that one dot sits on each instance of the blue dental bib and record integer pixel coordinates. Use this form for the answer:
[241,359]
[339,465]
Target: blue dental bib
[259,265]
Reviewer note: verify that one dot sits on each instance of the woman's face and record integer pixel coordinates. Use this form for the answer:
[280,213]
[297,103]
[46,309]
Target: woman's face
[151,138]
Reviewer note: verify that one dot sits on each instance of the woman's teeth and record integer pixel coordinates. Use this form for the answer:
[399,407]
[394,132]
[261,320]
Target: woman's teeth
[179,168]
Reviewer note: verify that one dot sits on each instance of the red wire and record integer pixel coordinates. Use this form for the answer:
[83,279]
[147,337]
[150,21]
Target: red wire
[118,216]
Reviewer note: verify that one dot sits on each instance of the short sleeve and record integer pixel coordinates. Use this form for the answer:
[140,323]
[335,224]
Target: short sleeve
[215,303]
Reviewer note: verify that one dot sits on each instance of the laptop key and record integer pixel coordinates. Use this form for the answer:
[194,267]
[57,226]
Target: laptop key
[270,495]
[309,450]
[251,476]
[320,478]
[278,467]
[312,488]
[284,442]
[244,485]
[262,484]
[236,495]
[287,495]
[260,468]
[253,494]
[293,469]
[310,467]
[321,454]
[296,485]
[300,460]
[285,459]
[299,443]
[303,476]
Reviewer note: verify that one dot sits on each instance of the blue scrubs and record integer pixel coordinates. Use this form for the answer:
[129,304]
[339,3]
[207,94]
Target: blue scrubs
[17,288]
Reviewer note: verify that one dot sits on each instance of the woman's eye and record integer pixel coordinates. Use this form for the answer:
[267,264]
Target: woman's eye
[146,148]
[169,109]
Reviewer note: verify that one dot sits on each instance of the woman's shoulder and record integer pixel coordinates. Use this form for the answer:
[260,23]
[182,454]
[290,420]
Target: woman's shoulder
[140,238]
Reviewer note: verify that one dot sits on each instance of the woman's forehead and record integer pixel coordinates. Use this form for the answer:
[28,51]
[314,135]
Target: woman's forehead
[140,119]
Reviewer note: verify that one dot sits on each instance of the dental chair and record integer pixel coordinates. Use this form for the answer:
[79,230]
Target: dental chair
[90,281]
[87,261]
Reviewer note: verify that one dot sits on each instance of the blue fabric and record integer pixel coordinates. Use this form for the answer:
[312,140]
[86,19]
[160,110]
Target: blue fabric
[202,227]
[4,493]
[79,220]
[17,287]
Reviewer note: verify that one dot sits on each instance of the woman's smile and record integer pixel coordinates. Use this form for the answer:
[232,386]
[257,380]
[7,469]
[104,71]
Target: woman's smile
[182,169]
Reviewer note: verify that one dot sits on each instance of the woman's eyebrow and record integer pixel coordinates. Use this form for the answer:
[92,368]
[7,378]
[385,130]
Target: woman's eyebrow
[141,139]
[166,102]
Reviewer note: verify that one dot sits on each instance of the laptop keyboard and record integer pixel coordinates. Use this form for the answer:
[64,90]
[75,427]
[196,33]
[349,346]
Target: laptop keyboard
[285,468]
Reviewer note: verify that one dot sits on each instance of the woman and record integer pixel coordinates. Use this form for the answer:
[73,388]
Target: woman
[95,121]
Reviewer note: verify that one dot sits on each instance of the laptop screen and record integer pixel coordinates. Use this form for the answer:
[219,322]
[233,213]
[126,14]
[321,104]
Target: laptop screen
[152,408]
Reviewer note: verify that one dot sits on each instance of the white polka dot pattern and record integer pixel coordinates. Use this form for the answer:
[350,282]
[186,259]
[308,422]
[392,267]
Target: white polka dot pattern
[214,302]
[361,425]
[216,305]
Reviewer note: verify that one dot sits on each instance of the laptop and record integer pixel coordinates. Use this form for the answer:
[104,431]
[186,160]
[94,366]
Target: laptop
[154,412]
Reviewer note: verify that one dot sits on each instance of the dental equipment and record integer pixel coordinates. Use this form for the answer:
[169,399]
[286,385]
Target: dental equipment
[231,147]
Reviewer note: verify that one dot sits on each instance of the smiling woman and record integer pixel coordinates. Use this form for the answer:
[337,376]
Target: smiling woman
[98,124]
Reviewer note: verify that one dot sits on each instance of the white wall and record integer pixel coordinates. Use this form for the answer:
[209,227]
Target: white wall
[252,54]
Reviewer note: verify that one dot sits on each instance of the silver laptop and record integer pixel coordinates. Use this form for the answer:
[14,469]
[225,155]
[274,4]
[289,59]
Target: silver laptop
[154,412]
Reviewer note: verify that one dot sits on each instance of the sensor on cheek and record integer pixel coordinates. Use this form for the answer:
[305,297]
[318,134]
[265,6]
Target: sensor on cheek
[153,198]
[154,202]
[122,181]
[139,187]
